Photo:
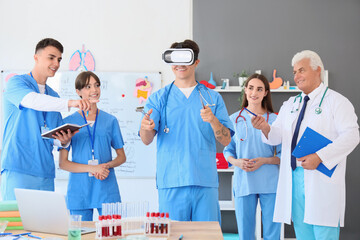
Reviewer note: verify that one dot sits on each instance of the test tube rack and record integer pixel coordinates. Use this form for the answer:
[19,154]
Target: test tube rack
[157,225]
[109,227]
[120,219]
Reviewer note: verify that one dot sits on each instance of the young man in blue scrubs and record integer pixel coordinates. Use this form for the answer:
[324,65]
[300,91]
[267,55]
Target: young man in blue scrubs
[30,108]
[314,201]
[187,131]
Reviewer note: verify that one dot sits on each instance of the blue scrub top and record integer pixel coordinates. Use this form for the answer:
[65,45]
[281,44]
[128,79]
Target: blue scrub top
[86,192]
[186,156]
[24,150]
[265,178]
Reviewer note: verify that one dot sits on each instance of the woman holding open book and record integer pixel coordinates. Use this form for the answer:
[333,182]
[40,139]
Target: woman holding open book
[92,179]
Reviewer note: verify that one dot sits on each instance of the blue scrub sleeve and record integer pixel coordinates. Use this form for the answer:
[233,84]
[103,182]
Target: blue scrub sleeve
[222,115]
[278,150]
[230,150]
[16,89]
[117,141]
[68,148]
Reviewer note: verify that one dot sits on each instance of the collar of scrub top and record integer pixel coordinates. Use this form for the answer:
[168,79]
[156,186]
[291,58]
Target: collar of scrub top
[246,127]
[318,110]
[211,104]
[92,137]
[44,113]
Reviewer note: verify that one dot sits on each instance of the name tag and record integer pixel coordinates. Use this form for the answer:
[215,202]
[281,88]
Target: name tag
[93,162]
[44,130]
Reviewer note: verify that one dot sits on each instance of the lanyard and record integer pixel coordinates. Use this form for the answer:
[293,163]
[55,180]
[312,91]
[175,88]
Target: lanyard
[92,137]
[44,113]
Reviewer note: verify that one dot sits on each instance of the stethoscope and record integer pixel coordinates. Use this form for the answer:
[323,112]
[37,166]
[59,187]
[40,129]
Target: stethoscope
[166,129]
[246,127]
[318,110]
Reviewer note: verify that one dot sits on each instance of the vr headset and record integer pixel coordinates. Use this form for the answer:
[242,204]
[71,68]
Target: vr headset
[179,56]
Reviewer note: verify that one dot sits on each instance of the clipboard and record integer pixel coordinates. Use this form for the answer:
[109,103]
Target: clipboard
[311,142]
[64,127]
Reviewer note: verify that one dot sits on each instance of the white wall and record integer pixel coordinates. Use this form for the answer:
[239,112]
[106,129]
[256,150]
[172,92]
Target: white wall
[123,35]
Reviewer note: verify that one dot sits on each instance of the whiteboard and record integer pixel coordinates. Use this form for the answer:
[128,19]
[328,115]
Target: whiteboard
[119,97]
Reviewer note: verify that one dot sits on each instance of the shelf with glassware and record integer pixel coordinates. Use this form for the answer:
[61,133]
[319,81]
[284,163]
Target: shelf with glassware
[284,88]
[238,89]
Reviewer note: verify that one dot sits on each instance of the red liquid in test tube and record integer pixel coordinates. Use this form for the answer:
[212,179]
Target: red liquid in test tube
[166,225]
[152,222]
[157,224]
[162,224]
[114,222]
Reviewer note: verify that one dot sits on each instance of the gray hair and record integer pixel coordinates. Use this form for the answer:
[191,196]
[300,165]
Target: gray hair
[315,61]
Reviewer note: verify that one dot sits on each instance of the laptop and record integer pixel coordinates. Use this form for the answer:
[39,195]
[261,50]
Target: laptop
[44,211]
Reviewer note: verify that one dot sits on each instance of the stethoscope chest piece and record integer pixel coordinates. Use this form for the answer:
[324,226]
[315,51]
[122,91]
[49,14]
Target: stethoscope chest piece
[166,130]
[318,110]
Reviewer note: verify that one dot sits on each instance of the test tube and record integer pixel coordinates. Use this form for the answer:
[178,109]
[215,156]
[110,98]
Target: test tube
[152,219]
[162,216]
[166,225]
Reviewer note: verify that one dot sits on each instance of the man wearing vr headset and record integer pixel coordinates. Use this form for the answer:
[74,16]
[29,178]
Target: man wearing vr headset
[188,118]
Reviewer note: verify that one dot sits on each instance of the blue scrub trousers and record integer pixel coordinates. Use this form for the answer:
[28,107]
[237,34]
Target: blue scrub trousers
[190,203]
[245,211]
[87,214]
[303,230]
[11,180]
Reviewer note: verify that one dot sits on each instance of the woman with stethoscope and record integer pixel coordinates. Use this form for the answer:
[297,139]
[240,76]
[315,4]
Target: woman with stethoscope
[256,164]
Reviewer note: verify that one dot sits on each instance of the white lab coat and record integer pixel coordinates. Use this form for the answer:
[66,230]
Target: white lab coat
[324,196]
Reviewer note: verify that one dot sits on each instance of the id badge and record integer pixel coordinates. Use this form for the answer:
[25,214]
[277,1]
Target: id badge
[93,162]
[44,130]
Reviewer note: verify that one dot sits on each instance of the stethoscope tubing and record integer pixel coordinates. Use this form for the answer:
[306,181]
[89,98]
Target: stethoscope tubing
[318,110]
[166,129]
[246,127]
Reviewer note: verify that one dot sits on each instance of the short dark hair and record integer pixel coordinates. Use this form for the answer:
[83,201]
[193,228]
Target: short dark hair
[49,42]
[83,79]
[188,44]
[266,102]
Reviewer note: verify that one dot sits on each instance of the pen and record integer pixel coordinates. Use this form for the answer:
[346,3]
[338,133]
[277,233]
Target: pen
[4,234]
[250,111]
[33,236]
[21,234]
[181,237]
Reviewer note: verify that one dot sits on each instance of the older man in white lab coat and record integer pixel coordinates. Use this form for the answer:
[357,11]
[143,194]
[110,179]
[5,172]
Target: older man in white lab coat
[314,201]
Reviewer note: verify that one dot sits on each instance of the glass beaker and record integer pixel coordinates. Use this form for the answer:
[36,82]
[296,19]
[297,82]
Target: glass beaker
[74,231]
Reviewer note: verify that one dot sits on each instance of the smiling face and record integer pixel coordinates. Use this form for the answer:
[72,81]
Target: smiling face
[184,73]
[91,90]
[306,78]
[255,91]
[47,61]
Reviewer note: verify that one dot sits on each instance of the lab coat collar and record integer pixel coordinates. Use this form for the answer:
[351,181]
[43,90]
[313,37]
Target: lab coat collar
[315,92]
